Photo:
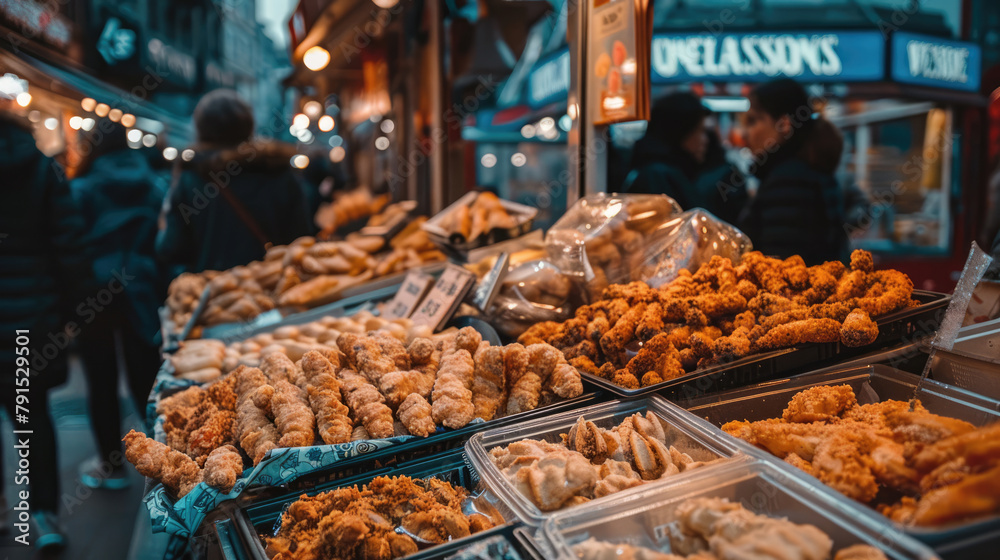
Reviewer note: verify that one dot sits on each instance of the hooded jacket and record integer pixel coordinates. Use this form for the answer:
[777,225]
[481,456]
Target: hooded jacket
[798,209]
[203,230]
[658,168]
[45,272]
[120,198]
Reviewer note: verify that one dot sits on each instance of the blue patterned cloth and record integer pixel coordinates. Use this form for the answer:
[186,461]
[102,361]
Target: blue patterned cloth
[280,466]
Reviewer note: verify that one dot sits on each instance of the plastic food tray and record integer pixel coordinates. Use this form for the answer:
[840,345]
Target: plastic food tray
[685,432]
[261,516]
[870,384]
[906,324]
[523,215]
[967,371]
[760,487]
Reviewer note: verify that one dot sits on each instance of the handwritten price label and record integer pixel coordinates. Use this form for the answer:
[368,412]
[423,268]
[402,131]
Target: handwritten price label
[445,297]
[413,289]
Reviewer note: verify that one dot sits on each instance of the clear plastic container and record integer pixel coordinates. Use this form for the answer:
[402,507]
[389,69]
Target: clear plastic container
[688,434]
[871,384]
[760,487]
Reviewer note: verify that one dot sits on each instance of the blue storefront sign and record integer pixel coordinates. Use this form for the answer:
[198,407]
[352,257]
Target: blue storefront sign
[549,81]
[931,61]
[820,56]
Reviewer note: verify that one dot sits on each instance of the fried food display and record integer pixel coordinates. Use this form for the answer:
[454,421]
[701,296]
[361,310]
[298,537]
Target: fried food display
[375,521]
[357,386]
[305,273]
[637,336]
[178,472]
[483,215]
[715,528]
[591,462]
[945,469]
[294,341]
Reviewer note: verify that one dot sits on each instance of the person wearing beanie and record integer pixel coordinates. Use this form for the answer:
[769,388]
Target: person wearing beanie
[799,208]
[235,197]
[668,158]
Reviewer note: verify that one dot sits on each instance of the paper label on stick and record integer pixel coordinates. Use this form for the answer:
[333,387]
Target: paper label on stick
[444,298]
[413,289]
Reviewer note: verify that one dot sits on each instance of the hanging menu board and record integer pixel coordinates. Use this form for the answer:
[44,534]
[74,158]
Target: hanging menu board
[618,41]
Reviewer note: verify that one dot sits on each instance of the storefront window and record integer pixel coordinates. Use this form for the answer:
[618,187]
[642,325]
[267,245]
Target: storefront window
[899,154]
[530,173]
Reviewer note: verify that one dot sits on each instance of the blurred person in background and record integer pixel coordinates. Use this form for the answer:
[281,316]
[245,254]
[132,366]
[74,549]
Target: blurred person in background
[823,152]
[721,186]
[119,195]
[668,158]
[44,266]
[799,209]
[235,197]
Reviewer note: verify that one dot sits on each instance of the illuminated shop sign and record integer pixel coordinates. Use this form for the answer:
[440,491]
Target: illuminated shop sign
[549,81]
[811,56]
[930,61]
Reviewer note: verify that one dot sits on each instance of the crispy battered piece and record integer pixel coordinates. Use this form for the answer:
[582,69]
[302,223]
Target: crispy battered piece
[893,291]
[798,332]
[323,390]
[468,339]
[540,333]
[614,341]
[597,326]
[178,472]
[416,414]
[222,393]
[585,348]
[397,385]
[795,272]
[858,329]
[584,364]
[524,394]
[256,433]
[975,496]
[367,356]
[565,381]
[223,467]
[188,398]
[862,261]
[366,404]
[293,417]
[820,404]
[656,362]
[277,366]
[393,349]
[208,431]
[764,304]
[421,351]
[489,376]
[452,394]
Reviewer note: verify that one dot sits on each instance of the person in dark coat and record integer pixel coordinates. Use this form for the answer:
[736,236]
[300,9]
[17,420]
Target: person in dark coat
[668,158]
[119,196]
[721,186]
[799,208]
[44,266]
[234,198]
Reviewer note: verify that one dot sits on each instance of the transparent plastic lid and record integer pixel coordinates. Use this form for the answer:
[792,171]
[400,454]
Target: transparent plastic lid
[684,432]
[644,520]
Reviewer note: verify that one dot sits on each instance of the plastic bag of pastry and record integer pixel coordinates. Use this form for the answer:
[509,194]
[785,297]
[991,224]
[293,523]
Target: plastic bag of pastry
[604,238]
[688,241]
[533,292]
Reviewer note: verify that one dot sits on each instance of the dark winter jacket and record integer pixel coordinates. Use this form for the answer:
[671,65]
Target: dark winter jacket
[44,267]
[658,168]
[797,211]
[120,199]
[203,229]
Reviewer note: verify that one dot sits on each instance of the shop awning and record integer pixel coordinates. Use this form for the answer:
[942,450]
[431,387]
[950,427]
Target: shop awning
[71,82]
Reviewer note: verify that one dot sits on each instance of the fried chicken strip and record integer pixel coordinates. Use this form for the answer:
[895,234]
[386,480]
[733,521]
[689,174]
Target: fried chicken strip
[178,472]
[223,467]
[452,394]
[332,420]
[293,417]
[366,404]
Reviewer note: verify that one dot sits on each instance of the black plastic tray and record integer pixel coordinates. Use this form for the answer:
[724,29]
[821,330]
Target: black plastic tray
[871,384]
[906,324]
[240,535]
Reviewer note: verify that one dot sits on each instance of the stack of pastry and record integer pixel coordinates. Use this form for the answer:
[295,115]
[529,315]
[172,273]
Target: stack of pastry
[483,215]
[370,386]
[591,462]
[638,336]
[349,207]
[305,273]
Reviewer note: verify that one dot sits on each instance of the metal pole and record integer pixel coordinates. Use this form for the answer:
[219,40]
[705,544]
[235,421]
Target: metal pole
[438,139]
[576,30]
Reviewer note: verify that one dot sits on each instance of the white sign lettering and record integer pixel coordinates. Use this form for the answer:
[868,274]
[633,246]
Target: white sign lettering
[749,55]
[938,62]
[550,79]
